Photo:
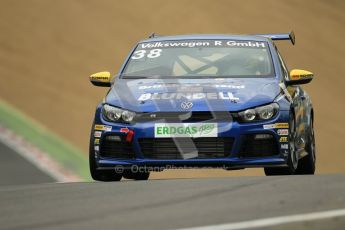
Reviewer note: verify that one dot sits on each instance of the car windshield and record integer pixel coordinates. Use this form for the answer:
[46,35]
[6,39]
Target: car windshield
[199,58]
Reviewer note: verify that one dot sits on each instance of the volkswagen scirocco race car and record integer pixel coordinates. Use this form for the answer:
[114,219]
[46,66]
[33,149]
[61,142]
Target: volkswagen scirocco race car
[224,101]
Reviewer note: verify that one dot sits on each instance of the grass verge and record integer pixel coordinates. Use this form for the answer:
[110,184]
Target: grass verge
[64,153]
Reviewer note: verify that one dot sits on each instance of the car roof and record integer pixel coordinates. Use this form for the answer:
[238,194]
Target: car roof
[158,38]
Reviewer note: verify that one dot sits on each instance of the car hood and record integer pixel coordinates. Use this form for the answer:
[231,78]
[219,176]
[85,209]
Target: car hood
[154,95]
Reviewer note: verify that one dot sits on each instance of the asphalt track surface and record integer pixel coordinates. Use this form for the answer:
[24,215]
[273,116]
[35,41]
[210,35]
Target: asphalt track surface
[171,204]
[29,200]
[15,170]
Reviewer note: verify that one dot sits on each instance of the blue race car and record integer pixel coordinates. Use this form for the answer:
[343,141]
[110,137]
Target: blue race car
[203,101]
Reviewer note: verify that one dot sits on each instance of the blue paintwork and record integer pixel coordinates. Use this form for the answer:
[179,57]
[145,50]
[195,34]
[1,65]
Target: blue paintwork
[234,130]
[258,91]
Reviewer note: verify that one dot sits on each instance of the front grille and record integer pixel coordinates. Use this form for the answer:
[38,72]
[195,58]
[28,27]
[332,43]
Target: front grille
[252,147]
[116,149]
[186,148]
[191,116]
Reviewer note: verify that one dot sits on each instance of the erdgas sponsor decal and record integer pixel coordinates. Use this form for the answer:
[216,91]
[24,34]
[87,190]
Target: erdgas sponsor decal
[189,96]
[163,130]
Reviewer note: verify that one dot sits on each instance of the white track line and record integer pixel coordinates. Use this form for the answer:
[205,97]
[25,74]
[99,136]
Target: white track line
[272,221]
[36,157]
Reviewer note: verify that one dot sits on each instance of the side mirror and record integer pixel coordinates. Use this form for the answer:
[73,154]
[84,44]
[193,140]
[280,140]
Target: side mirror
[299,76]
[102,79]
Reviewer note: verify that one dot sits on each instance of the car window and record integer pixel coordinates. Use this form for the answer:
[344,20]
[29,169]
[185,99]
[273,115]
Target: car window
[200,58]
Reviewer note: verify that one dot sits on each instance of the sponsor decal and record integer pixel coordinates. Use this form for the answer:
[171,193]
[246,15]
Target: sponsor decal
[103,127]
[246,44]
[163,130]
[96,141]
[276,126]
[190,44]
[282,125]
[284,146]
[191,88]
[230,86]
[283,132]
[138,54]
[189,96]
[99,127]
[283,139]
[97,134]
[107,128]
[99,78]
[202,43]
[270,126]
[124,130]
[96,147]
[156,86]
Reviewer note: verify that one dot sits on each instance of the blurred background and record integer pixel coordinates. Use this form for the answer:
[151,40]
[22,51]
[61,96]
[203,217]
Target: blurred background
[49,48]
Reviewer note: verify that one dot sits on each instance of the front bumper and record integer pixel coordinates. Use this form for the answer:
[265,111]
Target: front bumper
[234,160]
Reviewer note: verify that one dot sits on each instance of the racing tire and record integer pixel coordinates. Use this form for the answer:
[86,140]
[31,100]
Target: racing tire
[128,174]
[306,165]
[292,160]
[96,174]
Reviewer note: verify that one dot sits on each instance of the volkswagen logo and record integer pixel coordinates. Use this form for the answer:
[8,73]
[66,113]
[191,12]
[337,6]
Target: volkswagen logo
[186,105]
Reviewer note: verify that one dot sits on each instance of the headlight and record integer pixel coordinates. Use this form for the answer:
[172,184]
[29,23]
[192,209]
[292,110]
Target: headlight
[266,112]
[128,116]
[111,113]
[249,114]
[259,113]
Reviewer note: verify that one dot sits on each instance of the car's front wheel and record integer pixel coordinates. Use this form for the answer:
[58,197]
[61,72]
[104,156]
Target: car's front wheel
[292,160]
[306,165]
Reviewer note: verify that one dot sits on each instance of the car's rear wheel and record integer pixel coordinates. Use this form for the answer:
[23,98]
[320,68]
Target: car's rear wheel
[96,174]
[128,174]
[292,160]
[306,165]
